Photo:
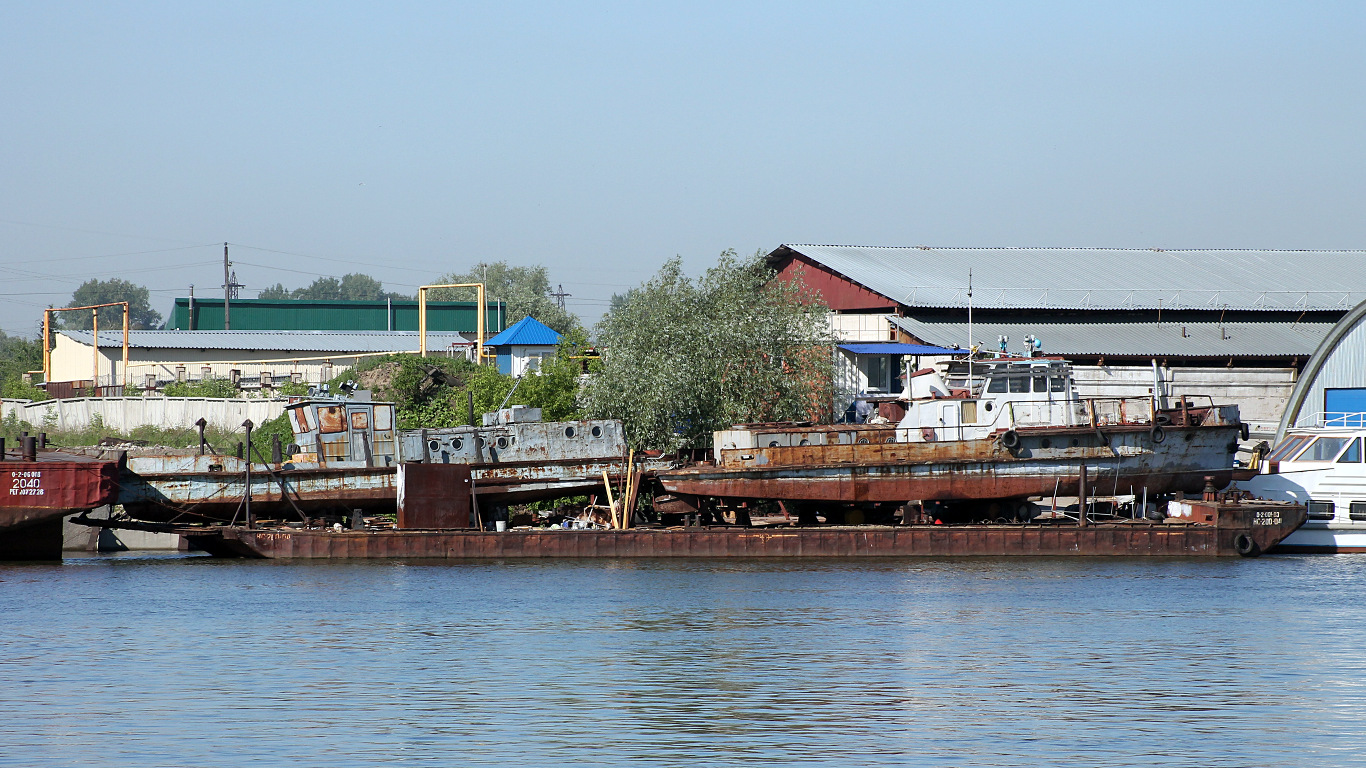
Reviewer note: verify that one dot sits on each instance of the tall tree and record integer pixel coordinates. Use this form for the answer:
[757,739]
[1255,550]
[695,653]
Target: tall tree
[352,287]
[683,358]
[525,291]
[141,316]
[17,357]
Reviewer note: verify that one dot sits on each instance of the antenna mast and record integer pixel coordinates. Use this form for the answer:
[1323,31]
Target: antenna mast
[969,330]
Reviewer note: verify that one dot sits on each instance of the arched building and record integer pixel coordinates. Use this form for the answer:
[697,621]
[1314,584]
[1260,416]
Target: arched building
[1333,382]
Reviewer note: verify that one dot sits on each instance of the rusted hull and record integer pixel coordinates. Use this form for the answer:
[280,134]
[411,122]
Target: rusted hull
[36,495]
[1261,528]
[1117,461]
[212,488]
[33,491]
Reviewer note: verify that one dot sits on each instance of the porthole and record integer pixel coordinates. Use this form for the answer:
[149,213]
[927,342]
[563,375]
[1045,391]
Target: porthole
[457,444]
[805,442]
[483,443]
[1075,442]
[568,431]
[988,406]
[502,443]
[891,439]
[1045,443]
[433,445]
[772,443]
[596,431]
[863,441]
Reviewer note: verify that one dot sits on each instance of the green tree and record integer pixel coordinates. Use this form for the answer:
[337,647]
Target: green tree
[141,316]
[524,290]
[683,358]
[352,287]
[17,357]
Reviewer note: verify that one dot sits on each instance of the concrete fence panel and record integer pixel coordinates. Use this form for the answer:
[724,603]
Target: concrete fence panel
[124,414]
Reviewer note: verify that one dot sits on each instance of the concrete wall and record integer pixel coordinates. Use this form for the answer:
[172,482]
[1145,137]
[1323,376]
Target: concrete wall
[126,413]
[1260,393]
[84,538]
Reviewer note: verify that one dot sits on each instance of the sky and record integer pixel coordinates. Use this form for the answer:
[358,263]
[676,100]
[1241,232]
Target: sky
[410,140]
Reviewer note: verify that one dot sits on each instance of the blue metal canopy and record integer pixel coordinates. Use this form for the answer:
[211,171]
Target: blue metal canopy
[526,332]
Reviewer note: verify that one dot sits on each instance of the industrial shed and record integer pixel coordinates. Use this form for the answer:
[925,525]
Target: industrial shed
[1238,325]
[254,359]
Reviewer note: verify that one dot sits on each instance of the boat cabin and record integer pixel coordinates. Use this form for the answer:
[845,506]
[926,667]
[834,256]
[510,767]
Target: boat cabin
[969,400]
[343,433]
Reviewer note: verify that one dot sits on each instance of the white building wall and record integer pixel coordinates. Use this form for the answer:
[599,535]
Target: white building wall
[75,361]
[859,327]
[1261,394]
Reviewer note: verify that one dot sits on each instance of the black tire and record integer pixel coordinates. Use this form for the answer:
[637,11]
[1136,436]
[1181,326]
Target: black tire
[1010,439]
[1244,430]
[1245,545]
[1158,434]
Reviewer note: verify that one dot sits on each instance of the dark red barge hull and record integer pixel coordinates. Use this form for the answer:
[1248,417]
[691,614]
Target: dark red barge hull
[35,495]
[1233,529]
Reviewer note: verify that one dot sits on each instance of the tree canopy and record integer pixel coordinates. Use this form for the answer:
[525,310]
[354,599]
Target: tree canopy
[17,357]
[352,287]
[685,357]
[525,291]
[141,316]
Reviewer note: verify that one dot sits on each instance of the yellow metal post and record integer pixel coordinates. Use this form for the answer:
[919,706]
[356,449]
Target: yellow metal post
[47,351]
[95,333]
[480,311]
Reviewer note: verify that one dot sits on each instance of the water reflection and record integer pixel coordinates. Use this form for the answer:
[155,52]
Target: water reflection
[188,661]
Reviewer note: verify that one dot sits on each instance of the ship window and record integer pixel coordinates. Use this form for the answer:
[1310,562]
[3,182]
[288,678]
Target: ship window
[969,412]
[1019,384]
[1353,453]
[1321,510]
[998,384]
[332,419]
[1040,383]
[1323,449]
[1288,448]
[1357,511]
[360,420]
[384,417]
[1058,383]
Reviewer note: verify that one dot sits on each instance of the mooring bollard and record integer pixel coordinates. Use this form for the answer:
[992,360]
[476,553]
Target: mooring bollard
[30,449]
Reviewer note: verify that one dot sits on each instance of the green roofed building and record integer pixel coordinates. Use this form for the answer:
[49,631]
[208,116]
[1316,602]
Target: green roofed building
[306,315]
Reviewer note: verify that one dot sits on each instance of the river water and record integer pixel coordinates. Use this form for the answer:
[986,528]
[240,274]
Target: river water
[188,661]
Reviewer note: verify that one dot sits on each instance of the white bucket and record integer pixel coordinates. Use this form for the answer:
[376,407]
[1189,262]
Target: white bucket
[500,525]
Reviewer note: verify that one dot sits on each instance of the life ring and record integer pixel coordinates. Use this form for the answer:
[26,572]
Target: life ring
[1010,439]
[1244,430]
[1158,434]
[1245,545]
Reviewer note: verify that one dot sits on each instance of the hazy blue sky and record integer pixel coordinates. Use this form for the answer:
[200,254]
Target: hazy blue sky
[599,139]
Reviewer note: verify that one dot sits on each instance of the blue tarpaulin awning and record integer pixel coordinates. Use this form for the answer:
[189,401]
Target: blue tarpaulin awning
[895,348]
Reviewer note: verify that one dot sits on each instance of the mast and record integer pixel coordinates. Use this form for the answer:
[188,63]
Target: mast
[970,330]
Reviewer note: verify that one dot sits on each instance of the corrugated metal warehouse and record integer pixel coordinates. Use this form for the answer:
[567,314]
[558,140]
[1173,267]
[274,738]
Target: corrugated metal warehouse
[306,315]
[1238,325]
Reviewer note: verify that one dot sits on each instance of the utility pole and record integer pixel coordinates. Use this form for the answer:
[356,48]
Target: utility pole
[230,286]
[560,295]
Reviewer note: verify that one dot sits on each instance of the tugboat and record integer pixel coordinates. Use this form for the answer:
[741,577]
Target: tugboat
[979,438]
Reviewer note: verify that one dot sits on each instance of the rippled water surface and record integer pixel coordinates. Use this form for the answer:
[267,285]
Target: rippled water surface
[161,660]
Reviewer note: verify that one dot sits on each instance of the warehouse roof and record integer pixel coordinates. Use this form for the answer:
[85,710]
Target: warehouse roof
[526,332]
[1099,278]
[1177,339]
[283,341]
[894,348]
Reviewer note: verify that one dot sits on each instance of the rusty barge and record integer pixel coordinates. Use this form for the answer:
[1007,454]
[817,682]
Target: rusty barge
[40,487]
[346,457]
